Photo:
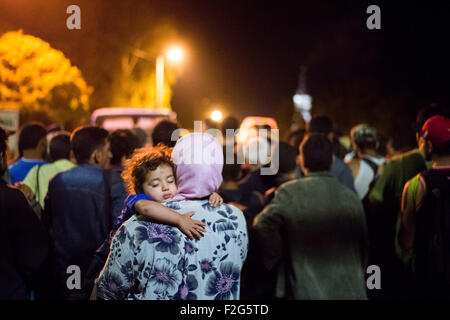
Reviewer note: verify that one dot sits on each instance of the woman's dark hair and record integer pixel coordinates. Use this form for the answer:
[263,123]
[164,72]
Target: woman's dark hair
[141,163]
[85,140]
[123,142]
[60,146]
[30,135]
[317,152]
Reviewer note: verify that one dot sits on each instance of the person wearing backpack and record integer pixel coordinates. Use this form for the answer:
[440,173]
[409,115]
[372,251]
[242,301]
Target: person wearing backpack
[423,238]
[367,163]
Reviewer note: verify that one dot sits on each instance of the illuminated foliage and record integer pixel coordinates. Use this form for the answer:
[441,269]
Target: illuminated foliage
[36,78]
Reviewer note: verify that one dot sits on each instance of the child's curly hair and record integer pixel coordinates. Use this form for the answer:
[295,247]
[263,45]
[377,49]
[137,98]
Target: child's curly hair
[142,162]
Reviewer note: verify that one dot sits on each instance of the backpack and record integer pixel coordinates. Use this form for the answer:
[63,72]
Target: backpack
[432,240]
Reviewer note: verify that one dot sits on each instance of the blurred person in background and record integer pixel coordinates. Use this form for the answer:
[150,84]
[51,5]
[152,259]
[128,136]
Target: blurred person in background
[229,141]
[123,143]
[80,209]
[213,128]
[249,202]
[338,148]
[339,169]
[23,237]
[287,168]
[5,176]
[423,236]
[256,153]
[32,151]
[367,163]
[141,134]
[399,143]
[382,145]
[39,176]
[295,138]
[162,133]
[52,130]
[385,204]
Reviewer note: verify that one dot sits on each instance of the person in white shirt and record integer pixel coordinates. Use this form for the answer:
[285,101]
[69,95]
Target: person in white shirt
[366,164]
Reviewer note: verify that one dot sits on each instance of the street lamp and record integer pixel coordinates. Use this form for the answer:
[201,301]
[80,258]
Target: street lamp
[216,115]
[174,54]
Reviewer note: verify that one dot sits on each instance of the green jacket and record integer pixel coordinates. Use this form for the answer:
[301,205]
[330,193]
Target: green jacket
[316,229]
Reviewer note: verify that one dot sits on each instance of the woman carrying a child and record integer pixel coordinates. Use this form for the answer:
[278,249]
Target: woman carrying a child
[157,261]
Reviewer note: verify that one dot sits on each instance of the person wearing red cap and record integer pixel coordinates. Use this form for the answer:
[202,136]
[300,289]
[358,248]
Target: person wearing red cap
[424,231]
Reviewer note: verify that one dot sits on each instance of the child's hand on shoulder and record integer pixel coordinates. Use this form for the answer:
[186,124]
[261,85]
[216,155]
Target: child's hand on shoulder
[189,226]
[215,200]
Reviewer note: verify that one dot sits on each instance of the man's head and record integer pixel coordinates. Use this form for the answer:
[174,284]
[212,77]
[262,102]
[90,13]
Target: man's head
[32,139]
[162,133]
[435,137]
[91,146]
[151,171]
[426,113]
[316,153]
[123,143]
[322,125]
[60,146]
[363,138]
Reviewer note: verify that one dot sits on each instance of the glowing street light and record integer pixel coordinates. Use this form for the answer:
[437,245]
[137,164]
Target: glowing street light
[174,54]
[216,115]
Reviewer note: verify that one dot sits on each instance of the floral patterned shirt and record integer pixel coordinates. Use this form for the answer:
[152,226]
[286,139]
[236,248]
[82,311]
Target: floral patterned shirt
[154,261]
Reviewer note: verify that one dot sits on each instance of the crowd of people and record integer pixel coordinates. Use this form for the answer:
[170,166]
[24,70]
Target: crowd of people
[92,214]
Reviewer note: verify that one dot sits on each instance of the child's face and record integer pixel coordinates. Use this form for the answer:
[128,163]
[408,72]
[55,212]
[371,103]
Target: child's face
[160,184]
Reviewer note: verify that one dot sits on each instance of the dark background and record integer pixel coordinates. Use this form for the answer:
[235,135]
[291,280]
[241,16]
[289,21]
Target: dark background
[245,55]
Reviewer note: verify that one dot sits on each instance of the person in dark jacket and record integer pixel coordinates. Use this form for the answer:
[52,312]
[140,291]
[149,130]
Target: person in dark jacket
[23,238]
[314,232]
[339,169]
[81,206]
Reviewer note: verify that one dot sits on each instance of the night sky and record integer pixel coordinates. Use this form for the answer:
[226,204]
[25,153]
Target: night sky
[245,55]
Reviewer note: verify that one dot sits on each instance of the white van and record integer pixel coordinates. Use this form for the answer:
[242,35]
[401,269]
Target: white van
[128,118]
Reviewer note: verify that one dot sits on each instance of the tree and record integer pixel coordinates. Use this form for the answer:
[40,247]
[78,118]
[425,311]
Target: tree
[40,80]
